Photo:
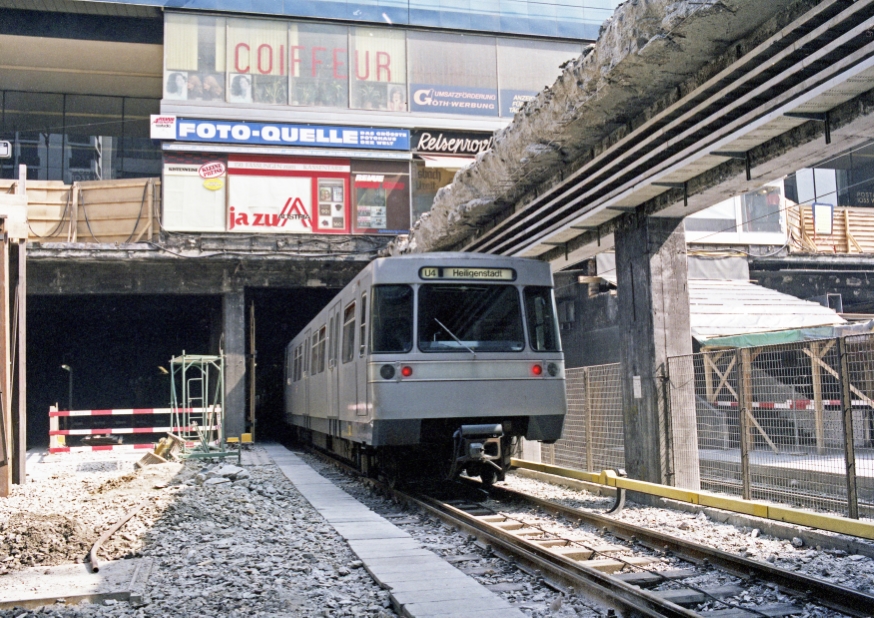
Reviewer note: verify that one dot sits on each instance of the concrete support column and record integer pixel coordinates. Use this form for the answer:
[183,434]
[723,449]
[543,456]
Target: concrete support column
[660,440]
[234,329]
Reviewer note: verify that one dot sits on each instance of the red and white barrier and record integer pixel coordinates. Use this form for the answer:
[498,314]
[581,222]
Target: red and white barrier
[789,404]
[102,447]
[122,430]
[124,411]
[57,444]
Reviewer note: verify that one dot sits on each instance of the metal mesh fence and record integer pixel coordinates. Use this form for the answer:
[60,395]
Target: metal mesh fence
[771,421]
[593,436]
[790,423]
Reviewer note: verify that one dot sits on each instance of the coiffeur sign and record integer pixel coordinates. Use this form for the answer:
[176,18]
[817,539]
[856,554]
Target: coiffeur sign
[169,127]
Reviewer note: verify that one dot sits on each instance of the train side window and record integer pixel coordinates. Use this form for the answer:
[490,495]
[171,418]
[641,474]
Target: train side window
[391,319]
[539,313]
[306,355]
[362,336]
[323,334]
[349,333]
[335,342]
[331,346]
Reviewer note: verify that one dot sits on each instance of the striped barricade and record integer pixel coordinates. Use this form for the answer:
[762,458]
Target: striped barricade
[57,436]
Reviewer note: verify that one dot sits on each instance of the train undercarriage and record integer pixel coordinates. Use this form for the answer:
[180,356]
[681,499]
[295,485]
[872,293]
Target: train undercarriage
[479,450]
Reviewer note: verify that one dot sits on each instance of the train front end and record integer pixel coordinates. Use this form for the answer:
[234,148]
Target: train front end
[465,358]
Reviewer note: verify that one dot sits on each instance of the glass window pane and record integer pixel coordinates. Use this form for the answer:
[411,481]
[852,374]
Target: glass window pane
[34,123]
[257,61]
[453,73]
[470,318]
[319,62]
[194,57]
[140,155]
[391,319]
[94,130]
[379,68]
[349,333]
[526,67]
[542,327]
[761,210]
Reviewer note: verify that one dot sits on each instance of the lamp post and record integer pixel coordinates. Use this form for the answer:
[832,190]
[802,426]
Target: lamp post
[70,398]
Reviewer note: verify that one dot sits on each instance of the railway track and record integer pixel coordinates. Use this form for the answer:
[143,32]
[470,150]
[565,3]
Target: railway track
[629,570]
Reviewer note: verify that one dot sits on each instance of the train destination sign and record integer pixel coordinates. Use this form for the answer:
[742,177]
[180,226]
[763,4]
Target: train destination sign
[464,272]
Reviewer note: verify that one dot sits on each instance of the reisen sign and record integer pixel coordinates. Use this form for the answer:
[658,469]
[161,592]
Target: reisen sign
[451,143]
[169,127]
[5,150]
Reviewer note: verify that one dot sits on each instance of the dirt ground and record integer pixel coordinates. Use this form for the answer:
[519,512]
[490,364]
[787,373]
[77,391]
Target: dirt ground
[71,499]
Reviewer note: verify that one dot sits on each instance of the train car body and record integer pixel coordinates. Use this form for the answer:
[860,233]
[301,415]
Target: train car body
[440,358]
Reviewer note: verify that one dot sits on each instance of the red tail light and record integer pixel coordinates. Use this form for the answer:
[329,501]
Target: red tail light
[537,370]
[406,371]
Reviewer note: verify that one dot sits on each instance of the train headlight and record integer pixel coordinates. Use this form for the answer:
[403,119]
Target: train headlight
[537,369]
[387,372]
[552,369]
[406,371]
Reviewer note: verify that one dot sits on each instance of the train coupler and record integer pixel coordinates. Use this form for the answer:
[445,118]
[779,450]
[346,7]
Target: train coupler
[477,446]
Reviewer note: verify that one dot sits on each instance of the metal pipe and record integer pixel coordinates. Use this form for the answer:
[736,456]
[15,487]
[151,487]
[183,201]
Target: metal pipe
[92,555]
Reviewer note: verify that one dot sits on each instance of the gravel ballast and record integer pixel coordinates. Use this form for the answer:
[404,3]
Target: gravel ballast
[231,541]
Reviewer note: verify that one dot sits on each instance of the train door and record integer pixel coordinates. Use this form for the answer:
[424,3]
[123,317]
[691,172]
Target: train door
[333,377]
[363,407]
[349,379]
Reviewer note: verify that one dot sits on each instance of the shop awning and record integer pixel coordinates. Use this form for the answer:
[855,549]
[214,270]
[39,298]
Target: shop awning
[447,163]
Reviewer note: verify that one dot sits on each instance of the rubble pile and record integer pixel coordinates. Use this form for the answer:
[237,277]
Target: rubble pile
[232,541]
[647,55]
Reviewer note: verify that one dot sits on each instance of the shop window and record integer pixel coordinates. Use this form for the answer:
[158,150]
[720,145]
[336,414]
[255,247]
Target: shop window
[319,65]
[380,197]
[379,69]
[761,210]
[426,182]
[257,57]
[194,58]
[453,73]
[525,67]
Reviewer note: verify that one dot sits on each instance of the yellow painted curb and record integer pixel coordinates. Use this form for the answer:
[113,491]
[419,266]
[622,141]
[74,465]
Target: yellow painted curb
[609,478]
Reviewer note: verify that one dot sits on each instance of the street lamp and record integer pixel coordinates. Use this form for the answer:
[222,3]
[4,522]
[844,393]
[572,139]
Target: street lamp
[70,399]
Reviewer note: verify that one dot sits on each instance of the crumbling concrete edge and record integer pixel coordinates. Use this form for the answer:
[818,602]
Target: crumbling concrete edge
[647,56]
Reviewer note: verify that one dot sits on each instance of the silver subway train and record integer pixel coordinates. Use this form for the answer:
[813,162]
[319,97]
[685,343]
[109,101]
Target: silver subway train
[432,364]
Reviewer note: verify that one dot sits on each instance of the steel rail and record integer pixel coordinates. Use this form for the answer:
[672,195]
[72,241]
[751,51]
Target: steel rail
[831,595]
[707,106]
[609,590]
[561,572]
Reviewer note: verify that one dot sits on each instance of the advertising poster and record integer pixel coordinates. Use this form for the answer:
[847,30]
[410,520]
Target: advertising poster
[287,195]
[194,193]
[513,100]
[381,197]
[453,100]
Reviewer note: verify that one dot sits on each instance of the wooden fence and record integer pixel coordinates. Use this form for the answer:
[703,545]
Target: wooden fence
[852,231]
[101,211]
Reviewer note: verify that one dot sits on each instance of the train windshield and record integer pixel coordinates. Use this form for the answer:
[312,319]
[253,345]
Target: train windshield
[470,318]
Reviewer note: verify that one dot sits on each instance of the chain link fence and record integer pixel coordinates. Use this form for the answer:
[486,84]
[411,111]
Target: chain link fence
[789,423]
[773,421]
[594,410]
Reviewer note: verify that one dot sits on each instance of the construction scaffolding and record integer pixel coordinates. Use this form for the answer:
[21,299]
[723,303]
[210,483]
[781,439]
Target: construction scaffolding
[197,389]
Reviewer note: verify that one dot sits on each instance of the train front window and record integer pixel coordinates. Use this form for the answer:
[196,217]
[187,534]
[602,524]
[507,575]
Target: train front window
[542,332]
[391,319]
[470,318]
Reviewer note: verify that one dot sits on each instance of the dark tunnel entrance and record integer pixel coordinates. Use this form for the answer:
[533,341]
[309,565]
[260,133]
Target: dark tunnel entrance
[116,344]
